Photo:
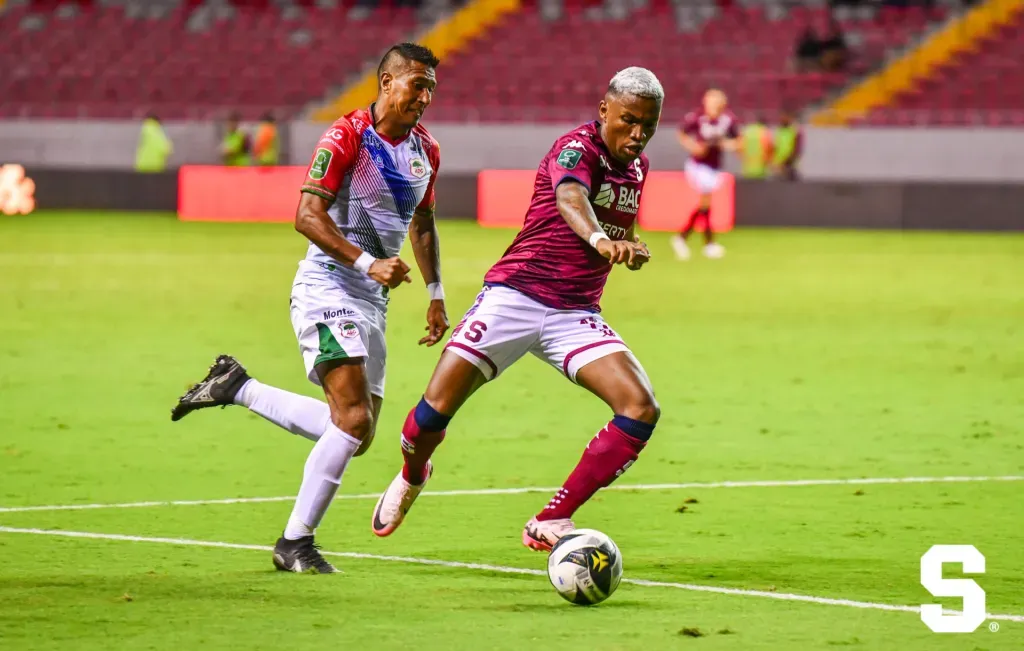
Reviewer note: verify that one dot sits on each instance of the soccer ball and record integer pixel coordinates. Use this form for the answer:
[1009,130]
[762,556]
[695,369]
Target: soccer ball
[585,567]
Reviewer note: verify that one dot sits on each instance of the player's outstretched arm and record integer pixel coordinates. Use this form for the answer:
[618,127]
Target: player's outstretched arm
[574,205]
[427,249]
[312,221]
[691,145]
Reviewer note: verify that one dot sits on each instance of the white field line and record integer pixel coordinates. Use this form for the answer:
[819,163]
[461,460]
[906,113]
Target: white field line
[533,489]
[500,569]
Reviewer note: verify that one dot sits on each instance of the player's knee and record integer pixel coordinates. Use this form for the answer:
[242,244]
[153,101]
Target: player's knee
[643,408]
[355,419]
[366,442]
[428,418]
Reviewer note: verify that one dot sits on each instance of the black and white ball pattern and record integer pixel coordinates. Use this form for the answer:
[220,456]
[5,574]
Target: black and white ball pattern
[585,567]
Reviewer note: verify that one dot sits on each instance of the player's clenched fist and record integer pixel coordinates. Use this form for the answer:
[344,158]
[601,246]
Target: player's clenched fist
[390,271]
[621,251]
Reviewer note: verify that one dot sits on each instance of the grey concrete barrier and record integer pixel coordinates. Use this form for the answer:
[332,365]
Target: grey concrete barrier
[933,206]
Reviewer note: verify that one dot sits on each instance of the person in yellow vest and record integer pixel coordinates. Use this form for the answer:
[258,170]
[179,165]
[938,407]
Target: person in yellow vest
[757,149]
[235,147]
[154,146]
[789,140]
[266,148]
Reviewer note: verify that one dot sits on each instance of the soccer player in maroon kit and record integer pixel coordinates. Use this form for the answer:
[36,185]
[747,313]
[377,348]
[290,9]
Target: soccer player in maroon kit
[705,134]
[542,297]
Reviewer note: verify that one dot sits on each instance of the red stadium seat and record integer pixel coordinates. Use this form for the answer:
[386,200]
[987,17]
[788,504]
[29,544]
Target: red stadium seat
[111,65]
[983,86]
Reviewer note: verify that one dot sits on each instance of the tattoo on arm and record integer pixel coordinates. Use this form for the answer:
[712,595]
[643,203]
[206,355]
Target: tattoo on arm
[574,206]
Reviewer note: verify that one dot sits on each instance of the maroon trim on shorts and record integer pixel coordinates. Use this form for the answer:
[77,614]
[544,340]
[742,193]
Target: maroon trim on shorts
[475,353]
[568,358]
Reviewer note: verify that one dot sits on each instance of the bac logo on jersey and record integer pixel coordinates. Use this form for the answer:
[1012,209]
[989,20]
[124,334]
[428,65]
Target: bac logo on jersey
[418,169]
[628,198]
[569,158]
[321,163]
[605,196]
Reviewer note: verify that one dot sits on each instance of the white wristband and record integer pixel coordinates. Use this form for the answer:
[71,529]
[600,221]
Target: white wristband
[436,291]
[597,237]
[363,262]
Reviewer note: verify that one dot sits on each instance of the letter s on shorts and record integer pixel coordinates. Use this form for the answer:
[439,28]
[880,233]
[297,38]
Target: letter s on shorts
[475,331]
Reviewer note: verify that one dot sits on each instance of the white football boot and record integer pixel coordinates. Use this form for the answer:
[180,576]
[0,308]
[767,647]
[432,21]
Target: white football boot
[395,502]
[541,535]
[714,251]
[681,249]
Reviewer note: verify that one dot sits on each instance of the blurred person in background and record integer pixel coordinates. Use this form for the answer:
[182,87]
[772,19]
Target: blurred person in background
[705,134]
[789,142]
[235,147]
[154,146]
[267,146]
[757,149]
[807,53]
[834,51]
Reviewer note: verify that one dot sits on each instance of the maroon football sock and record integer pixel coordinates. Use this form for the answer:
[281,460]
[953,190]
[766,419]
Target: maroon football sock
[417,446]
[709,235]
[607,456]
[691,221]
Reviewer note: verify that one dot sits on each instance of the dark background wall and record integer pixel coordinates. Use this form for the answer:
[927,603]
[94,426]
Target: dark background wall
[937,206]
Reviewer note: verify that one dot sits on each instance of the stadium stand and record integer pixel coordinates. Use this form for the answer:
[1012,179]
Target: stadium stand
[200,59]
[194,60]
[981,86]
[508,74]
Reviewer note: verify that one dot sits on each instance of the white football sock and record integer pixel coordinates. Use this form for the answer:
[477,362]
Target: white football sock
[320,481]
[302,415]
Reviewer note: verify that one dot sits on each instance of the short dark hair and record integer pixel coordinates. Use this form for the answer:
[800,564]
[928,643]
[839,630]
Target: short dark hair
[408,52]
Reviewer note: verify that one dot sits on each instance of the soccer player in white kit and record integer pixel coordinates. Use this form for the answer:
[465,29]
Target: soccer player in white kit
[370,181]
[705,134]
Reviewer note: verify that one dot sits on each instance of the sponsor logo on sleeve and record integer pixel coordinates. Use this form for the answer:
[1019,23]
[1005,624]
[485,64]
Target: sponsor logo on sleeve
[321,163]
[574,144]
[569,158]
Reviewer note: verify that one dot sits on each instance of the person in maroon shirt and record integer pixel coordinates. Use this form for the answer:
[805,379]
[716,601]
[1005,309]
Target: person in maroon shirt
[705,134]
[543,297]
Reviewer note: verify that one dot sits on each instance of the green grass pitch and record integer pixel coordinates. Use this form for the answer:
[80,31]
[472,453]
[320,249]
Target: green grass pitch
[800,356]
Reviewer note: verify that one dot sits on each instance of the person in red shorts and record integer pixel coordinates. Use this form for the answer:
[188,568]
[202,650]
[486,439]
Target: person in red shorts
[705,134]
[543,297]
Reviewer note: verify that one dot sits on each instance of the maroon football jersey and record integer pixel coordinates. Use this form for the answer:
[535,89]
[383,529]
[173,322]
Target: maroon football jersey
[547,260]
[712,131]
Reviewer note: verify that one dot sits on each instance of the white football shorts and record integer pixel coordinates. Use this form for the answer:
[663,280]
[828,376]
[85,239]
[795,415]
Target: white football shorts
[703,178]
[330,324]
[504,324]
